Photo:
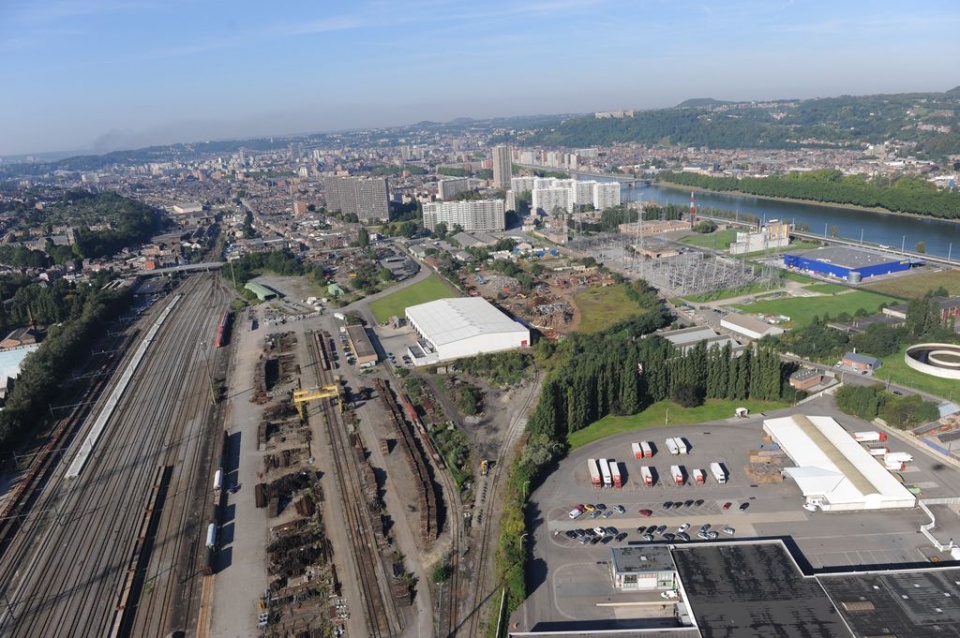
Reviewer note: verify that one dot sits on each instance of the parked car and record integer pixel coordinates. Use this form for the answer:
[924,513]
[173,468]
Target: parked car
[744,506]
[667,505]
[684,527]
[729,530]
[619,509]
[668,536]
[648,537]
[621,537]
[727,505]
[613,531]
[683,536]
[661,529]
[646,513]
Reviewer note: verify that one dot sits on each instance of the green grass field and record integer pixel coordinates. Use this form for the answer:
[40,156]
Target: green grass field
[602,307]
[802,309]
[895,370]
[665,412]
[917,284]
[429,289]
[827,289]
[719,240]
[753,289]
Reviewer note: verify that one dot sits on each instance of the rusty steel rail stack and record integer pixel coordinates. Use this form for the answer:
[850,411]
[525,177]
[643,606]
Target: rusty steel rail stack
[426,495]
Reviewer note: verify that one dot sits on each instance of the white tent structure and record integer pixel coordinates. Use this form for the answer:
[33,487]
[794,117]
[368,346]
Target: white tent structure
[833,471]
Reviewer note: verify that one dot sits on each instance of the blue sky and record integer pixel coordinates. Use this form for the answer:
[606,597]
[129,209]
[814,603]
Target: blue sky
[103,74]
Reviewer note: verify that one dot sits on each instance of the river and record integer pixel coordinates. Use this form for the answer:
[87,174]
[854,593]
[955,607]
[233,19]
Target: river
[893,230]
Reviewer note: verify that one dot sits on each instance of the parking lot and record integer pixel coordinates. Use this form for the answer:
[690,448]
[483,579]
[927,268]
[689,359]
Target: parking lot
[836,540]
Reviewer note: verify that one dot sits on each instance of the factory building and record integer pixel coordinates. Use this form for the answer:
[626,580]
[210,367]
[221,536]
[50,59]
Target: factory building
[833,471]
[454,328]
[850,264]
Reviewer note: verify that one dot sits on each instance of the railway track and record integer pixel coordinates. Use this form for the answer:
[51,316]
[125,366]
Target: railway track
[486,544]
[70,579]
[379,611]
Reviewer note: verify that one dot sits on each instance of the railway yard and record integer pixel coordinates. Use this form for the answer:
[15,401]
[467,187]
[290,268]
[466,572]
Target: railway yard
[112,545]
[261,488]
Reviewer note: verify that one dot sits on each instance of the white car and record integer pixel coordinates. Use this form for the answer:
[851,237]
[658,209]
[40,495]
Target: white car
[683,527]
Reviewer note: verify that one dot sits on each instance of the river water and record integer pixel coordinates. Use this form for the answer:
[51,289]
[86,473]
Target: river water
[893,230]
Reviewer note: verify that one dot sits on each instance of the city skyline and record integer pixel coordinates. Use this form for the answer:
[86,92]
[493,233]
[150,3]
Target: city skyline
[100,75]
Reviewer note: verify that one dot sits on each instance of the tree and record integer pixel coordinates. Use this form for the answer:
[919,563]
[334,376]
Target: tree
[457,228]
[440,230]
[921,247]
[363,237]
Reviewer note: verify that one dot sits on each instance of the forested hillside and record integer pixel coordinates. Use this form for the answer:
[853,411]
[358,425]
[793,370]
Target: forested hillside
[929,120]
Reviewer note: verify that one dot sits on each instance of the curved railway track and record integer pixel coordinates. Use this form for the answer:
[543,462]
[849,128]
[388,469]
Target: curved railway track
[71,578]
[379,611]
[469,627]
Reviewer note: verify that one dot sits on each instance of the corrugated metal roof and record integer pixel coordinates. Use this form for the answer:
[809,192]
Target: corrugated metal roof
[450,320]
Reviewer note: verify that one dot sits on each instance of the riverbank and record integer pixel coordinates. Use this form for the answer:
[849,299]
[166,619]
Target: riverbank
[808,202]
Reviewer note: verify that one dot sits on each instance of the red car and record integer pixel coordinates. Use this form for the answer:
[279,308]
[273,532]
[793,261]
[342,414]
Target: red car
[646,513]
[727,505]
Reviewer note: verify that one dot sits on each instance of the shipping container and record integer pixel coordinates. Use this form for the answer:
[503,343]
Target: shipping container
[676,472]
[637,451]
[615,474]
[595,477]
[864,437]
[647,475]
[719,472]
[605,473]
[647,449]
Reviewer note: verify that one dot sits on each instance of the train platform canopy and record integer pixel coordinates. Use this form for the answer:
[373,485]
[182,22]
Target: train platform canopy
[833,470]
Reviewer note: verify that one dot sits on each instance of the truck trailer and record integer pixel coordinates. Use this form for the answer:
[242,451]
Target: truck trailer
[719,472]
[647,449]
[672,446]
[699,477]
[647,476]
[677,473]
[878,449]
[903,457]
[605,473]
[595,477]
[637,451]
[682,446]
[615,474]
[871,436]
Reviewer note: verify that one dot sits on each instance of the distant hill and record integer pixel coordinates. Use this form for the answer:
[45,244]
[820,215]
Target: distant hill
[700,101]
[927,123]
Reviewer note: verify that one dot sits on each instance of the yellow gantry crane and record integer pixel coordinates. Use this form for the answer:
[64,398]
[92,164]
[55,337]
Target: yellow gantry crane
[300,397]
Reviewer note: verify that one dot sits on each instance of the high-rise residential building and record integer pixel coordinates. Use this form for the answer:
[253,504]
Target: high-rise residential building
[448,188]
[520,184]
[552,200]
[550,193]
[366,197]
[484,214]
[502,166]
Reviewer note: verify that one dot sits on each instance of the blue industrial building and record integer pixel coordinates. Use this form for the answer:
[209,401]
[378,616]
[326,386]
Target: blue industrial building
[849,264]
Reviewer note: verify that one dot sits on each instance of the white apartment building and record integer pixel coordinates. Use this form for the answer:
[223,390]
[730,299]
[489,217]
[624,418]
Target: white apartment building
[470,215]
[449,188]
[550,192]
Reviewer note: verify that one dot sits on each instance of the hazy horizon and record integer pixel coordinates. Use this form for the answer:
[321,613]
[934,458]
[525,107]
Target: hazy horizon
[91,76]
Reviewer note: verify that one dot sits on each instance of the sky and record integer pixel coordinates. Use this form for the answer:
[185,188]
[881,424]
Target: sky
[101,75]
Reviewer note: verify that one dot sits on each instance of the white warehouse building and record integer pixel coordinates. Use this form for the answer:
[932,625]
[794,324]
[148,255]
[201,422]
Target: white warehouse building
[454,328]
[834,472]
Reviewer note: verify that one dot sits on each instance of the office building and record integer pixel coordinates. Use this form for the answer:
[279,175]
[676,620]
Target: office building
[470,215]
[502,166]
[366,197]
